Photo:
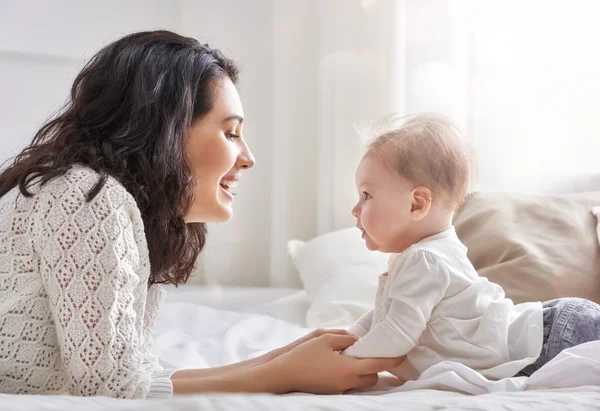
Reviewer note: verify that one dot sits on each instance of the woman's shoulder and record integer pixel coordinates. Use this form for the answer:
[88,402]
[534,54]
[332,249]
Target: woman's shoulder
[63,203]
[73,187]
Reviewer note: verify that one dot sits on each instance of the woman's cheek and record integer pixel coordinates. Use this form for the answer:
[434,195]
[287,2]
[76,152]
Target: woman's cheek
[228,156]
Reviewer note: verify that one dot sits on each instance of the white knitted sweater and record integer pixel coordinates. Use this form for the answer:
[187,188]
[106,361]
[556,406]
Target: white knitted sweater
[76,312]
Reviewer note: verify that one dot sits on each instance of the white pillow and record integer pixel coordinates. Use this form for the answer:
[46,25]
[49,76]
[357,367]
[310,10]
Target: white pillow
[339,275]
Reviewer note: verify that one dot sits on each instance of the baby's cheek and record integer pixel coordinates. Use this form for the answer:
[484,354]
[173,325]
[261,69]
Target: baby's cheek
[371,219]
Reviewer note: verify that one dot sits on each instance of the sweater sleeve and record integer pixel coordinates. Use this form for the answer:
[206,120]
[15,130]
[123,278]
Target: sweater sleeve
[418,283]
[161,385]
[90,263]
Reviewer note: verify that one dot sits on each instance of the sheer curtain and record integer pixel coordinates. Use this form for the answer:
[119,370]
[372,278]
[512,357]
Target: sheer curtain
[380,57]
[360,69]
[335,65]
[534,89]
[521,78]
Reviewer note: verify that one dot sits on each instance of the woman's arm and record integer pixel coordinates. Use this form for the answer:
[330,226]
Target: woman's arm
[212,372]
[249,380]
[216,371]
[314,366]
[90,266]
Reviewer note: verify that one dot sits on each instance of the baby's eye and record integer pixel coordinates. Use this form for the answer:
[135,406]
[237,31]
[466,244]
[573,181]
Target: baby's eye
[367,195]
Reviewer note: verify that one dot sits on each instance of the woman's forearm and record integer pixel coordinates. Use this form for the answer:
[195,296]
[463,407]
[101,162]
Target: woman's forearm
[249,380]
[263,359]
[212,372]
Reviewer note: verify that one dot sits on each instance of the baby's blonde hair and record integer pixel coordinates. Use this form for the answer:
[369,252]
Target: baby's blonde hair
[428,150]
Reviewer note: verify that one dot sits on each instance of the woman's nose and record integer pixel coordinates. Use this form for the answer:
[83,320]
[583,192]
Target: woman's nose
[246,159]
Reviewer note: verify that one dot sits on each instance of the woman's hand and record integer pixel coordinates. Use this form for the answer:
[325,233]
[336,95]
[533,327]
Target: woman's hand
[316,366]
[311,364]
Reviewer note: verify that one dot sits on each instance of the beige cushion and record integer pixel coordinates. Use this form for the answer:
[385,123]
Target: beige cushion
[536,247]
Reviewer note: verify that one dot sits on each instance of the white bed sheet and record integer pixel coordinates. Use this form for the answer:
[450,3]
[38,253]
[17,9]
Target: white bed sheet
[289,304]
[190,334]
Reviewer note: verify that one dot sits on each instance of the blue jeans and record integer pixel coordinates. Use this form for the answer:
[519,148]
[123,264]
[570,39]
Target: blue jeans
[567,322]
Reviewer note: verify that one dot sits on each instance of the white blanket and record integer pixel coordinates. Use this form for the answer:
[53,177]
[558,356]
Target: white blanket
[194,336]
[188,335]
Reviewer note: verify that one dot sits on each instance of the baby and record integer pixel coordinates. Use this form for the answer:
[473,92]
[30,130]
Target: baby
[431,305]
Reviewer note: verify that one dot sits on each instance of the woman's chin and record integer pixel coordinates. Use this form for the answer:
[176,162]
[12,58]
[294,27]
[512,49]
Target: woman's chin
[225,213]
[220,214]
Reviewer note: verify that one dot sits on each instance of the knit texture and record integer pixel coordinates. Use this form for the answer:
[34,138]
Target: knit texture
[76,312]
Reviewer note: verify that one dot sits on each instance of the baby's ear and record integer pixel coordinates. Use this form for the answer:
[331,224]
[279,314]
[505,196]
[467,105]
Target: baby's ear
[420,203]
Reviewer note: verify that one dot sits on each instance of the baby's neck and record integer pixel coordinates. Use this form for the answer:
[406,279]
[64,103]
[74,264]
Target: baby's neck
[435,222]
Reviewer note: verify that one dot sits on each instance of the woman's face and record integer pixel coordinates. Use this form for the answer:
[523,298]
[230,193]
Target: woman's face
[216,153]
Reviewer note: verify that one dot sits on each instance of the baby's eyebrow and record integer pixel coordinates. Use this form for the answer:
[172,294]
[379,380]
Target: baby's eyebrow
[364,184]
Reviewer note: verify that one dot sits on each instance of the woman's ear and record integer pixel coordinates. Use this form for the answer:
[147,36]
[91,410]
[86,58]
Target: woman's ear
[420,203]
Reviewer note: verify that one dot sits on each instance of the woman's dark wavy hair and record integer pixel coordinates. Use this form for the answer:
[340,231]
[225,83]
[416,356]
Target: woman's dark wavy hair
[127,117]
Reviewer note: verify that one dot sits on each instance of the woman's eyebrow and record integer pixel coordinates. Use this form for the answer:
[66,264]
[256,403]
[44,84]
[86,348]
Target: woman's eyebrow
[237,117]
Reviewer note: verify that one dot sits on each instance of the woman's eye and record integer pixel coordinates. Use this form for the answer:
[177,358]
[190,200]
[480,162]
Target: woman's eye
[231,136]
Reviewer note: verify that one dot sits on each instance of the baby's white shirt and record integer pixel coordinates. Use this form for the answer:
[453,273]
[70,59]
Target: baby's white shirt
[433,306]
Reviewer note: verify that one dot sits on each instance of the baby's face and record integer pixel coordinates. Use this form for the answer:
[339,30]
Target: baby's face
[384,206]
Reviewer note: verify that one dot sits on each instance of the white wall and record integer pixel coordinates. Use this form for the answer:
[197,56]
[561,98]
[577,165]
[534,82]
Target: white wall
[44,44]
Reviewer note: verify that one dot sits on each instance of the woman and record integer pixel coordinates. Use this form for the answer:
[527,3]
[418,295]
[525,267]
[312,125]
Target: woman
[109,201]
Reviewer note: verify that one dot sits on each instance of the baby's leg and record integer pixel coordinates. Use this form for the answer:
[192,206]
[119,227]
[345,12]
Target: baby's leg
[568,322]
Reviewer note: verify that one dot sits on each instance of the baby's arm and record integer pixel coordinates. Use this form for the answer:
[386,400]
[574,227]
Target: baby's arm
[362,325]
[418,285]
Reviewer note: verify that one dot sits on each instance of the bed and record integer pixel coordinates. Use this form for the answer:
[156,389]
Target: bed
[208,326]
